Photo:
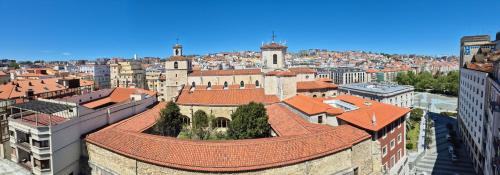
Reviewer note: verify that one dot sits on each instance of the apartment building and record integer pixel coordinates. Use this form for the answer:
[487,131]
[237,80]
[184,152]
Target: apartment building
[98,73]
[348,75]
[46,135]
[127,74]
[477,60]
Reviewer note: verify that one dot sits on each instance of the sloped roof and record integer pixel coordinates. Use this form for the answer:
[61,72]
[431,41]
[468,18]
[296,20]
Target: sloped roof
[314,85]
[126,138]
[224,97]
[302,70]
[310,106]
[118,95]
[225,72]
[18,88]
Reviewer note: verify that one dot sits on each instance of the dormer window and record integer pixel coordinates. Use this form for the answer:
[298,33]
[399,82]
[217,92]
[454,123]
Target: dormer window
[225,84]
[176,65]
[242,84]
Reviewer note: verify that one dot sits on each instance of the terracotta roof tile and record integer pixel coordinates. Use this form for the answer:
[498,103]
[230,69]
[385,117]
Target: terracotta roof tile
[280,73]
[314,85]
[310,106]
[273,45]
[225,72]
[224,97]
[302,70]
[126,139]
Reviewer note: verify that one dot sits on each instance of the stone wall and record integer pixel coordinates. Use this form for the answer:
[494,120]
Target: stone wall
[230,79]
[223,111]
[344,162]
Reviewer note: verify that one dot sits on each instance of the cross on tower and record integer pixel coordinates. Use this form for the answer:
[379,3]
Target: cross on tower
[274,36]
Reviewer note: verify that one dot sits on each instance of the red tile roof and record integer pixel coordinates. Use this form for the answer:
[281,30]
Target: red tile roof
[304,86]
[483,67]
[224,97]
[325,80]
[310,106]
[18,88]
[287,123]
[362,117]
[273,45]
[125,138]
[225,72]
[302,70]
[280,73]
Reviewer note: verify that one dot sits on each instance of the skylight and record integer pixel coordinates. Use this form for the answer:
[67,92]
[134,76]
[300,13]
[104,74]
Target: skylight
[341,104]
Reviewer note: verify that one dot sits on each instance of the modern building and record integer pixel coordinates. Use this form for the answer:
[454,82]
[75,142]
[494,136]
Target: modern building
[98,73]
[127,74]
[348,75]
[46,135]
[476,123]
[398,95]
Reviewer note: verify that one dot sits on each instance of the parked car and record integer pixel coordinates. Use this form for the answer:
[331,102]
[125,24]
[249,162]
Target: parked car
[450,149]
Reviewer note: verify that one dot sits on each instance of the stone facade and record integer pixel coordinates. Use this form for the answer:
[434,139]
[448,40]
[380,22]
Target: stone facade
[230,79]
[348,161]
[127,74]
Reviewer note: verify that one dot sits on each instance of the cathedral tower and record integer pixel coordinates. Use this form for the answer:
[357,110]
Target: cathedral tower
[273,55]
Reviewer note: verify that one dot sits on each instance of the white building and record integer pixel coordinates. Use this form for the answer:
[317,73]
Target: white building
[46,135]
[397,95]
[348,75]
[100,74]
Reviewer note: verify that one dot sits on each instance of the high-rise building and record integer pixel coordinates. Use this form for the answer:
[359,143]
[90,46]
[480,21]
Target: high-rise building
[477,59]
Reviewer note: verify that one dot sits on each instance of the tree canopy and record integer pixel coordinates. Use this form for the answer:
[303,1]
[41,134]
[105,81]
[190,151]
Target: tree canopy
[170,121]
[439,83]
[249,121]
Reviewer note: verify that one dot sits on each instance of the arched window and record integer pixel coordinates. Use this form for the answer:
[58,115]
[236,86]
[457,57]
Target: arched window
[225,84]
[186,120]
[242,84]
[307,76]
[323,95]
[176,51]
[193,84]
[314,96]
[209,84]
[221,122]
[176,65]
[257,83]
[275,59]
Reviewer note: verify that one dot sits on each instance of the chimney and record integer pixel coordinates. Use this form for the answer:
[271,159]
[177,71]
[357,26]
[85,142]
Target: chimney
[374,119]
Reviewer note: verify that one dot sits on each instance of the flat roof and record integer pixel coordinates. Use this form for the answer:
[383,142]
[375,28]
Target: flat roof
[376,88]
[43,106]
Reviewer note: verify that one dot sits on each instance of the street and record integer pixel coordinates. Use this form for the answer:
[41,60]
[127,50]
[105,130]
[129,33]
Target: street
[437,159]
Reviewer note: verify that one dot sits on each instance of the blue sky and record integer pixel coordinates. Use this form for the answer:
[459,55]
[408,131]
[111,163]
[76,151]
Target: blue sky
[70,29]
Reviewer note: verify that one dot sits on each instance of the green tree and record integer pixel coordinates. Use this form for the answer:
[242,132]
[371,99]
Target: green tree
[416,114]
[170,121]
[249,121]
[14,65]
[200,119]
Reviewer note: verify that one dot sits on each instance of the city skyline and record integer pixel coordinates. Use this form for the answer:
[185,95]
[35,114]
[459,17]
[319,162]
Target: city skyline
[60,30]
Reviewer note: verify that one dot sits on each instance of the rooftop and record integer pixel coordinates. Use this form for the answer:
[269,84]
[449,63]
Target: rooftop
[225,72]
[18,88]
[315,85]
[43,106]
[378,88]
[126,138]
[41,120]
[233,96]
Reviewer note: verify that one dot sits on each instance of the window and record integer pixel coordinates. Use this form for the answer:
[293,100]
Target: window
[320,119]
[242,84]
[399,138]
[307,76]
[225,84]
[193,84]
[393,144]
[393,161]
[314,96]
[275,59]
[210,84]
[399,154]
[176,65]
[41,164]
[221,122]
[186,120]
[257,83]
[40,144]
[323,95]
[384,150]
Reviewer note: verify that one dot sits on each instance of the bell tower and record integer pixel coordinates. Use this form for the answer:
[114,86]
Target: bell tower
[177,48]
[273,55]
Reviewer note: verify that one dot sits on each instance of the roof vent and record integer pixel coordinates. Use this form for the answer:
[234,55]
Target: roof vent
[17,85]
[374,119]
[43,82]
[367,103]
[30,84]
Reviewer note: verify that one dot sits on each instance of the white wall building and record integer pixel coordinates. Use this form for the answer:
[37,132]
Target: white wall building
[397,95]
